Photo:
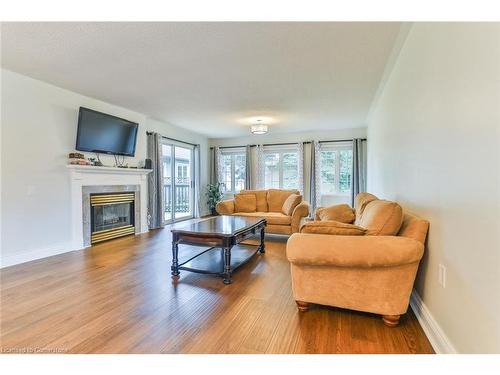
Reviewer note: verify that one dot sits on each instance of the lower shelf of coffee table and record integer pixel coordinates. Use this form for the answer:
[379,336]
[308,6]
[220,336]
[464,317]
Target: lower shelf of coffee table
[211,261]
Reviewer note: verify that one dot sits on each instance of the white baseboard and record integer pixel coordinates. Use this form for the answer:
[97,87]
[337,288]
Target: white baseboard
[35,254]
[28,256]
[438,339]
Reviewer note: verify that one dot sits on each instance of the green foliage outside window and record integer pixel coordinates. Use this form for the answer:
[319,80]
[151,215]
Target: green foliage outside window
[333,162]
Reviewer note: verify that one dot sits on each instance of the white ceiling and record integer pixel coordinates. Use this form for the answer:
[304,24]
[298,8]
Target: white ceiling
[210,77]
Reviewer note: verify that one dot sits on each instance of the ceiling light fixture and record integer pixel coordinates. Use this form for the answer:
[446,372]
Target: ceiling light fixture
[258,128]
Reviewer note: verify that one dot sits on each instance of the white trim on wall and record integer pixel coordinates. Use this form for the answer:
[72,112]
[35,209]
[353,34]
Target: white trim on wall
[438,339]
[35,254]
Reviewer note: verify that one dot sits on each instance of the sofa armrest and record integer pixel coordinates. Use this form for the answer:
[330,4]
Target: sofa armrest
[299,212]
[352,251]
[225,207]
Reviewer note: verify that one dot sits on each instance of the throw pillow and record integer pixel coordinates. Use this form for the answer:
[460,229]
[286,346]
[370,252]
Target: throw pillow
[360,202]
[276,198]
[340,212]
[245,203]
[382,218]
[261,196]
[290,203]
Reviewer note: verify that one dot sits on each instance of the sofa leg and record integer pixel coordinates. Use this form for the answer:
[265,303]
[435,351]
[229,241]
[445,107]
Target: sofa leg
[391,320]
[303,306]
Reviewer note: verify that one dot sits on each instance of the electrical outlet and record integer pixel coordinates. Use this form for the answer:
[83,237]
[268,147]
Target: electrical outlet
[442,275]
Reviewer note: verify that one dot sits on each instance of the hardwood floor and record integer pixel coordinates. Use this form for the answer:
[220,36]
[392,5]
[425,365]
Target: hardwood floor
[118,297]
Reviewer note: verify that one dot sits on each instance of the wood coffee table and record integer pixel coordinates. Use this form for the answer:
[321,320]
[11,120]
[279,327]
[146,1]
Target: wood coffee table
[223,236]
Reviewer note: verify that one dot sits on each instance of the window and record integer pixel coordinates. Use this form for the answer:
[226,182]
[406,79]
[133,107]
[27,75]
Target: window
[281,169]
[336,169]
[233,172]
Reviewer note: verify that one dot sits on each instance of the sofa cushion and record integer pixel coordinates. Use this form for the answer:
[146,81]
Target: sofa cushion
[276,198]
[381,218]
[360,202]
[291,202]
[278,229]
[225,207]
[261,196]
[245,203]
[332,227]
[339,212]
[272,218]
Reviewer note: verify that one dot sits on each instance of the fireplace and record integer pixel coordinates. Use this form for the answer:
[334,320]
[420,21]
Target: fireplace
[112,215]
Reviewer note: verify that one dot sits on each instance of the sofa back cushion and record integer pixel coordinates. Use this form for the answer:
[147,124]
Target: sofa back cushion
[245,203]
[381,218]
[332,227]
[360,202]
[339,212]
[276,198]
[414,227]
[261,198]
[291,202]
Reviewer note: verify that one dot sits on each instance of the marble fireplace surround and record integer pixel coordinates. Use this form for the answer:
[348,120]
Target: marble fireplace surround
[86,180]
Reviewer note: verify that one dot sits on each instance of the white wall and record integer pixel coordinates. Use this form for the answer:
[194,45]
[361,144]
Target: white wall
[39,124]
[305,136]
[434,147]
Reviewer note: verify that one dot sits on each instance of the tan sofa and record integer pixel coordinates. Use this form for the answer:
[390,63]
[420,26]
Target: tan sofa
[372,269]
[283,215]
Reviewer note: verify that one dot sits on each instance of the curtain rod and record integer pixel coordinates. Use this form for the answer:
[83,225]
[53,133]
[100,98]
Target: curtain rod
[173,139]
[291,143]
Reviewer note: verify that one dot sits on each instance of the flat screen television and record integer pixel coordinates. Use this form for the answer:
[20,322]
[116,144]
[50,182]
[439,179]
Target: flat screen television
[100,132]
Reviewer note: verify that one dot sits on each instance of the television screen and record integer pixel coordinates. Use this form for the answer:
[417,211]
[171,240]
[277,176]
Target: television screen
[100,132]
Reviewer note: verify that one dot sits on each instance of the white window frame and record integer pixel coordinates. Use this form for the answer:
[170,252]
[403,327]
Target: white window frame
[281,150]
[233,153]
[336,147]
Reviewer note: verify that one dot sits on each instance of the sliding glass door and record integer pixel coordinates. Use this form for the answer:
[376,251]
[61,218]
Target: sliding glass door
[177,182]
[183,192]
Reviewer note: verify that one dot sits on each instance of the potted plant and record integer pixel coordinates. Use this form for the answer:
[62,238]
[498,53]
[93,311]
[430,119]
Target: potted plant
[214,196]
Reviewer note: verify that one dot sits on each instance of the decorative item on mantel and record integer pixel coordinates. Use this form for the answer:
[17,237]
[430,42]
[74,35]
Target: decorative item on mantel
[78,159]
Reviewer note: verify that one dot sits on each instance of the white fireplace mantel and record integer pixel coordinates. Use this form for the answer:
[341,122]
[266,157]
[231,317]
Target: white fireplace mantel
[107,170]
[85,175]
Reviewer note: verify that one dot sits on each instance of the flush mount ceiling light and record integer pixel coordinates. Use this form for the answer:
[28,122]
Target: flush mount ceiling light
[258,128]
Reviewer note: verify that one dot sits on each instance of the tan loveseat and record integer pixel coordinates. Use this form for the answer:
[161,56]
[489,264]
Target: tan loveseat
[370,269]
[284,210]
